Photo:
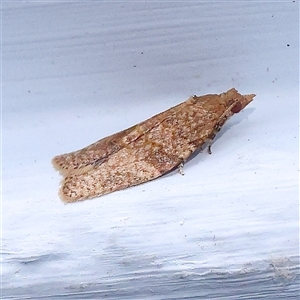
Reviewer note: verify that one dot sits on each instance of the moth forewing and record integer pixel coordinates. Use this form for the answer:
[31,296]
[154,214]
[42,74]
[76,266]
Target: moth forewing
[147,150]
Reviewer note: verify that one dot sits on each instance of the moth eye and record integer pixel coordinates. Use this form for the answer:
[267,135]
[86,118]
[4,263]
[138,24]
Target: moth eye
[237,108]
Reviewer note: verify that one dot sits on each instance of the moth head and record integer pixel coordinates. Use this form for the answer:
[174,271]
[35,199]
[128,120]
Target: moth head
[237,102]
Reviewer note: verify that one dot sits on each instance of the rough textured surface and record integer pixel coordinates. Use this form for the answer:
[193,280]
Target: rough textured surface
[146,150]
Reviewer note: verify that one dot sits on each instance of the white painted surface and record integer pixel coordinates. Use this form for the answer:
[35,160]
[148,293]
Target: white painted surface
[75,72]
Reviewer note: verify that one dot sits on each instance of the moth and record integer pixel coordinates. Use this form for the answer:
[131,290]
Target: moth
[147,150]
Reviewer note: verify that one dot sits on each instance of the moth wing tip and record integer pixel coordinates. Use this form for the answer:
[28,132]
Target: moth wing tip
[59,167]
[55,164]
[65,198]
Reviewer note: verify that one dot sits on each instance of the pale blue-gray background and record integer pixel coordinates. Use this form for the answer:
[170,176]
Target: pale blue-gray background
[74,72]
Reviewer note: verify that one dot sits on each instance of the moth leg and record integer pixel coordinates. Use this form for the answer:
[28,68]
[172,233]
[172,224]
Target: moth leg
[217,129]
[184,157]
[211,138]
[180,168]
[209,147]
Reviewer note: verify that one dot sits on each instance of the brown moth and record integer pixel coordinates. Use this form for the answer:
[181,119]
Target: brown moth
[147,150]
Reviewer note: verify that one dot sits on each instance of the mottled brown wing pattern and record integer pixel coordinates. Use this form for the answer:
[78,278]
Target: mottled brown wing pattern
[80,160]
[149,149]
[95,154]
